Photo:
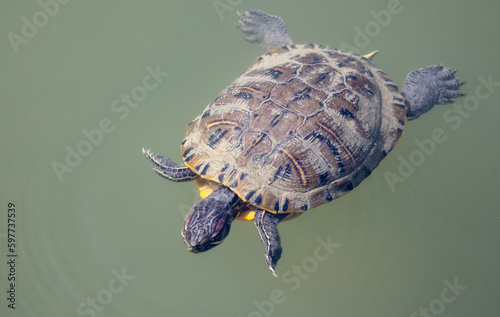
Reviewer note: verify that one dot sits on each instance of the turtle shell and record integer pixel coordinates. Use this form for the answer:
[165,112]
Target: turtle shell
[302,126]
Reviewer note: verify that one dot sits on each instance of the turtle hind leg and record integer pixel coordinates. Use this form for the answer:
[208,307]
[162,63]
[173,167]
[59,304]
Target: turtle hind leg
[429,86]
[266,223]
[168,169]
[268,30]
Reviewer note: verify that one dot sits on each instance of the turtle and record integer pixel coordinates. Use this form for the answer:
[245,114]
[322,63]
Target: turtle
[302,126]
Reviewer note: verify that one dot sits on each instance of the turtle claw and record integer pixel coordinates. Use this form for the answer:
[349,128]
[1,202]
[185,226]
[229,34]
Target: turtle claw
[449,84]
[272,267]
[273,254]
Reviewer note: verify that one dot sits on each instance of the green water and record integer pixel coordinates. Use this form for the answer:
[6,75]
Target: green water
[98,234]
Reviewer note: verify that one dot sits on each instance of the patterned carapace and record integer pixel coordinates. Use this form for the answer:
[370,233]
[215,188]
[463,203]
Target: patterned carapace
[303,125]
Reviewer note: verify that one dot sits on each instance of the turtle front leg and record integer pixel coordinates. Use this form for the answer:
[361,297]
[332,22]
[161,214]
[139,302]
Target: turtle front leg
[268,30]
[429,86]
[266,223]
[168,169]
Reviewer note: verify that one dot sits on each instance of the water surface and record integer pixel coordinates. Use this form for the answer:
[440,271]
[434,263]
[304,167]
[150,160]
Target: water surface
[98,233]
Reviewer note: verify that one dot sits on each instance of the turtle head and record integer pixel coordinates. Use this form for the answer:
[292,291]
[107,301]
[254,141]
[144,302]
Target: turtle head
[209,221]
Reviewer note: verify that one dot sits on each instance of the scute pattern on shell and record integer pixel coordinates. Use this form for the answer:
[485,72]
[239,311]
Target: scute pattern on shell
[303,125]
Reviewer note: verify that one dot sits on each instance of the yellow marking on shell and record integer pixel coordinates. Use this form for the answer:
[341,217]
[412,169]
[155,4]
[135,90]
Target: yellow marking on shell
[338,140]
[299,168]
[205,192]
[370,55]
[248,215]
[251,89]
[221,122]
[204,188]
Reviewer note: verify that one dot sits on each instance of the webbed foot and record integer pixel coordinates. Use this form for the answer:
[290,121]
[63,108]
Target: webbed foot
[268,30]
[429,86]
